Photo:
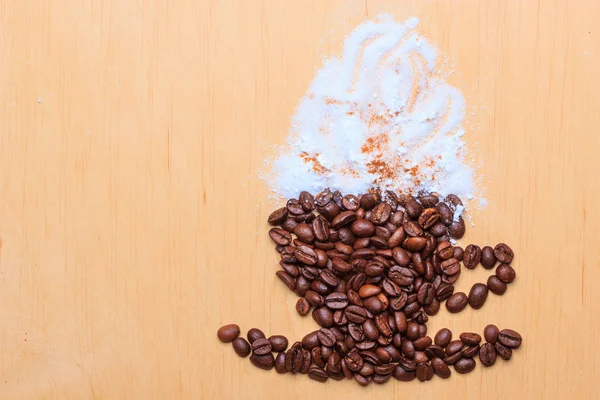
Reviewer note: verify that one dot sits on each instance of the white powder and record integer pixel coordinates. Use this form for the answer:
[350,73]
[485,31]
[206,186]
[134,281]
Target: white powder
[379,116]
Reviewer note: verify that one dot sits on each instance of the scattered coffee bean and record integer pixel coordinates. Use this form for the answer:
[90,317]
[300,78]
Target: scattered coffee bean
[478,295]
[472,256]
[506,273]
[261,347]
[496,286]
[491,333]
[510,338]
[303,306]
[440,368]
[464,365]
[457,302]
[487,354]
[266,361]
[488,259]
[228,333]
[443,337]
[504,352]
[241,347]
[470,338]
[278,343]
[503,253]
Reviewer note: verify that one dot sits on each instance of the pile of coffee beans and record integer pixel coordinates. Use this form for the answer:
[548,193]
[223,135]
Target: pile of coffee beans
[373,268]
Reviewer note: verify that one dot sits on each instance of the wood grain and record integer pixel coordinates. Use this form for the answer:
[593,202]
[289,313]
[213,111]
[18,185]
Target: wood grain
[133,222]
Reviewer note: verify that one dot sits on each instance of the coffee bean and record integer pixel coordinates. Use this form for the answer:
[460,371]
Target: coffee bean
[294,207]
[369,290]
[362,380]
[383,325]
[241,347]
[438,230]
[433,308]
[452,359]
[457,302]
[403,375]
[488,259]
[428,218]
[446,214]
[459,253]
[487,354]
[424,372]
[302,286]
[261,347]
[478,295]
[435,351]
[306,255]
[336,301]
[422,343]
[326,337]
[317,374]
[356,314]
[510,338]
[440,368]
[228,333]
[472,256]
[374,304]
[363,228]
[304,232]
[280,236]
[255,334]
[408,349]
[265,362]
[503,253]
[413,209]
[334,363]
[444,292]
[307,201]
[289,224]
[314,299]
[496,286]
[504,352]
[381,213]
[323,316]
[470,351]
[280,363]
[457,229]
[491,333]
[450,266]
[287,279]
[342,219]
[445,250]
[278,342]
[470,338]
[278,216]
[320,228]
[505,273]
[426,294]
[303,306]
[464,365]
[412,228]
[443,337]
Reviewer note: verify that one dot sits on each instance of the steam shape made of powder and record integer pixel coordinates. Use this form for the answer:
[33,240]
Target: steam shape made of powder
[380,115]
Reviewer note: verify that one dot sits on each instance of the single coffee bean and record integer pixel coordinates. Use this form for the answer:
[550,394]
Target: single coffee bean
[413,209]
[505,273]
[487,354]
[488,259]
[255,334]
[491,333]
[228,333]
[342,219]
[336,301]
[454,347]
[452,359]
[433,308]
[303,306]
[457,302]
[289,224]
[510,338]
[408,349]
[317,357]
[496,286]
[424,372]
[504,352]
[266,361]
[280,363]
[435,351]
[446,214]
[306,255]
[363,228]
[470,338]
[369,291]
[464,365]
[241,347]
[403,375]
[317,374]
[429,200]
[305,233]
[294,207]
[339,318]
[302,286]
[356,314]
[407,363]
[503,253]
[412,330]
[323,316]
[334,363]
[329,278]
[472,256]
[278,216]
[311,340]
[320,228]
[326,337]
[261,347]
[438,229]
[280,236]
[478,295]
[422,343]
[314,299]
[414,244]
[440,368]
[307,201]
[381,213]
[459,253]
[426,294]
[362,380]
[443,337]
[445,250]
[278,343]
[428,218]
[286,278]
[450,266]
[444,292]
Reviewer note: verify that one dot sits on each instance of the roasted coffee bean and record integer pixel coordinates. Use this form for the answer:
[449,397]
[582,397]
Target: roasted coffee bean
[341,266]
[369,290]
[261,346]
[255,334]
[278,342]
[383,325]
[363,228]
[403,375]
[307,201]
[356,314]
[289,224]
[451,266]
[306,255]
[424,372]
[374,304]
[440,368]
[241,347]
[287,279]
[445,250]
[336,301]
[422,343]
[505,273]
[504,352]
[305,218]
[457,229]
[426,294]
[455,346]
[266,361]
[470,338]
[342,219]
[314,299]
[464,365]
[413,208]
[302,286]
[429,217]
[412,228]
[488,259]
[414,244]
[323,316]
[326,337]
[487,354]
[320,228]
[381,213]
[346,237]
[305,233]
[478,295]
[457,302]
[433,308]
[412,308]
[408,349]
[278,216]
[280,236]
[401,276]
[491,333]
[362,380]
[435,351]
[334,363]
[444,292]
[294,207]
[317,374]
[452,359]
[311,340]
[446,214]
[390,288]
[443,337]
[503,253]
[228,333]
[472,256]
[470,351]
[510,338]
[329,278]
[459,253]
[496,286]
[303,306]
[280,363]
[438,230]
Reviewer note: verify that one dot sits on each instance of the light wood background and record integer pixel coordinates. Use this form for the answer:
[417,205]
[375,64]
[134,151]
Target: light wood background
[133,222]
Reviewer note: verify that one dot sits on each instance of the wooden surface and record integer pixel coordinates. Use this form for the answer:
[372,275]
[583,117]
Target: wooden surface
[133,222]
